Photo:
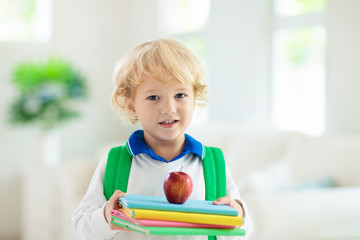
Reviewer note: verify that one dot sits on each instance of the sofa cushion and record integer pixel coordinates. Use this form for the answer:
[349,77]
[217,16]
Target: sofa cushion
[317,158]
[327,213]
[250,151]
[245,150]
[273,177]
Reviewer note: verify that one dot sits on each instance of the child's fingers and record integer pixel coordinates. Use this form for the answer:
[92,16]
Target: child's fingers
[230,202]
[114,200]
[117,227]
[223,201]
[113,203]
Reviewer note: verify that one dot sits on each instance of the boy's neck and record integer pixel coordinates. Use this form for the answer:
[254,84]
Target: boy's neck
[166,149]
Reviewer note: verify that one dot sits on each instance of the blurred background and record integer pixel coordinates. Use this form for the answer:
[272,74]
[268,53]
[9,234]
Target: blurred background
[285,66]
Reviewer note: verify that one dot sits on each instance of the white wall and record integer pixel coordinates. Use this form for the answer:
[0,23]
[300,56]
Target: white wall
[238,61]
[343,72]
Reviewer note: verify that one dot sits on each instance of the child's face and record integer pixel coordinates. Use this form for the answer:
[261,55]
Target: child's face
[163,110]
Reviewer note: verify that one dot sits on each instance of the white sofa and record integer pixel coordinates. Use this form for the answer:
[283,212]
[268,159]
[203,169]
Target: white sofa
[296,186]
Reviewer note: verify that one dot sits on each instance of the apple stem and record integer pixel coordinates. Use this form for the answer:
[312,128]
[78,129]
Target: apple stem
[181,168]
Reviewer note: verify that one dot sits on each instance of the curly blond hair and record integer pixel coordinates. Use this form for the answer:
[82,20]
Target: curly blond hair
[165,60]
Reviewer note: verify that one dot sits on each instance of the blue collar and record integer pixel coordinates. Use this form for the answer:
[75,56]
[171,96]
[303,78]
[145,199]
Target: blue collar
[137,145]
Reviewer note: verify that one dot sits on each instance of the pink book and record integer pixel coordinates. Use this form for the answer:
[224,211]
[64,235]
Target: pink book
[161,223]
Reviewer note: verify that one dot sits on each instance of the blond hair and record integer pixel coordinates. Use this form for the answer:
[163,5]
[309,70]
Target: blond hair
[165,60]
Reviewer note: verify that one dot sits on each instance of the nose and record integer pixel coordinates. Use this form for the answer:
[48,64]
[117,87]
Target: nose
[168,106]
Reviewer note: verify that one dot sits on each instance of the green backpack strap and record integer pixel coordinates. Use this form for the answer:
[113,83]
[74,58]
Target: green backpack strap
[214,175]
[117,170]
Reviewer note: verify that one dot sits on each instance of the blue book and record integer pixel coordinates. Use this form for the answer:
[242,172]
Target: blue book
[134,201]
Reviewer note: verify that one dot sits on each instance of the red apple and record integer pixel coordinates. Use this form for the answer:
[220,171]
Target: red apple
[177,187]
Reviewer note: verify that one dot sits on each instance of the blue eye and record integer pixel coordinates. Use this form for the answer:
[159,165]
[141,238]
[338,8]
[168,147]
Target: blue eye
[180,95]
[153,98]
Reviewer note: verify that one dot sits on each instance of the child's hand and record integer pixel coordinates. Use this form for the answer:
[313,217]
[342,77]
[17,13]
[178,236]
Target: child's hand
[113,203]
[230,202]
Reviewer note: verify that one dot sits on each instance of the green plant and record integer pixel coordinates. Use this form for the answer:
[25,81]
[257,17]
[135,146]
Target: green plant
[46,93]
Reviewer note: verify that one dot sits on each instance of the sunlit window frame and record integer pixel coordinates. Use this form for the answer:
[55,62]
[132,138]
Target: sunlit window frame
[291,23]
[43,20]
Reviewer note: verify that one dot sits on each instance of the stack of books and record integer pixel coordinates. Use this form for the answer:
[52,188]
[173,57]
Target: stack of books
[156,216]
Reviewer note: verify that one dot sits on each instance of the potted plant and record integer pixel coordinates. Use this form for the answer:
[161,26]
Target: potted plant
[46,94]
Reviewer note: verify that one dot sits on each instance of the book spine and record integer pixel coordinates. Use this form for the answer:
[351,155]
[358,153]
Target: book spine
[161,204]
[162,223]
[177,230]
[182,209]
[129,225]
[195,231]
[187,217]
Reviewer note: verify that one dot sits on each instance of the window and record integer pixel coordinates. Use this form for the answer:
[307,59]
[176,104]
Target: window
[298,66]
[185,16]
[25,20]
[298,7]
[186,21]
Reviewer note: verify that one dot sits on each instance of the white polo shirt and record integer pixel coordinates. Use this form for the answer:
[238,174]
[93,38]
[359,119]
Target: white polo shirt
[147,175]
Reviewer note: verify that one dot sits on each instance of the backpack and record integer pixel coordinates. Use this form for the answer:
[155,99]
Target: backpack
[119,163]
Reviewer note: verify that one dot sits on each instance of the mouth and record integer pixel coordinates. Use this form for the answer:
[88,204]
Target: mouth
[168,123]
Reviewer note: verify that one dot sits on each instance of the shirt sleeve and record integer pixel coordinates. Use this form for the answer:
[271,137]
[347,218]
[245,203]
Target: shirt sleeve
[232,191]
[88,219]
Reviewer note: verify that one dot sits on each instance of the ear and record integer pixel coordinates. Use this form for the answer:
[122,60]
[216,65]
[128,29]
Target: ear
[130,107]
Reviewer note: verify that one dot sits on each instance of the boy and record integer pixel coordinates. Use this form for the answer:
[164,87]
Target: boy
[157,84]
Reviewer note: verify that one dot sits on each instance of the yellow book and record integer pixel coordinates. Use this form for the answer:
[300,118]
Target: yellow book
[184,217]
